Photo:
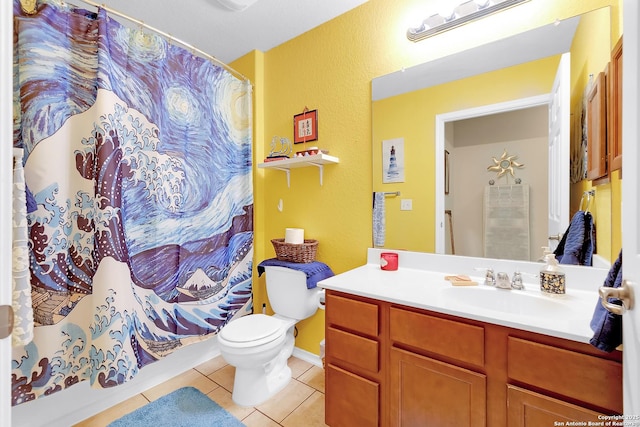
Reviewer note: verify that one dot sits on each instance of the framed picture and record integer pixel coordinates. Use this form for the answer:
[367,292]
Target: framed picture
[446,172]
[393,160]
[305,126]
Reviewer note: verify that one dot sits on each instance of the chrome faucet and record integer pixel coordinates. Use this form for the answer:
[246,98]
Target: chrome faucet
[516,281]
[489,278]
[501,280]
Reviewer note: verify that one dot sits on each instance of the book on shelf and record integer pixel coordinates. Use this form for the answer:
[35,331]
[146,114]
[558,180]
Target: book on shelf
[275,158]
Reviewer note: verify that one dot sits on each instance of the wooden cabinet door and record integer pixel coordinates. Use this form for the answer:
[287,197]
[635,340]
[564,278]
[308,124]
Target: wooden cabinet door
[597,130]
[614,108]
[351,400]
[529,409]
[427,392]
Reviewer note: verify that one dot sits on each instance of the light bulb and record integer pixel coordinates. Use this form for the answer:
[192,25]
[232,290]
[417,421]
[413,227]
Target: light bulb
[466,8]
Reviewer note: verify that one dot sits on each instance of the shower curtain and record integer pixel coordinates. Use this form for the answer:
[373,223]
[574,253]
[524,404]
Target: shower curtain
[137,156]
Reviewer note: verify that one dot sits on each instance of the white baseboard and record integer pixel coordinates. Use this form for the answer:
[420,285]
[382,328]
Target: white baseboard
[80,402]
[314,359]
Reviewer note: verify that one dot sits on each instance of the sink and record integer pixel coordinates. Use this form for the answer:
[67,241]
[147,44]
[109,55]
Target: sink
[526,303]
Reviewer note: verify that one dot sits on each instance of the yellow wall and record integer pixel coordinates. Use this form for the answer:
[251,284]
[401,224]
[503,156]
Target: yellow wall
[330,69]
[252,67]
[412,117]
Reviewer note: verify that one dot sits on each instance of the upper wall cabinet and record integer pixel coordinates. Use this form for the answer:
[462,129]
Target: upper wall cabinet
[597,130]
[604,121]
[614,124]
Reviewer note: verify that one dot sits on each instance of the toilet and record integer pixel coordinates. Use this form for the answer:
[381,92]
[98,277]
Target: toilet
[259,345]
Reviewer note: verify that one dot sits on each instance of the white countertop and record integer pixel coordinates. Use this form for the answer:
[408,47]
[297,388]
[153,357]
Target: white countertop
[419,282]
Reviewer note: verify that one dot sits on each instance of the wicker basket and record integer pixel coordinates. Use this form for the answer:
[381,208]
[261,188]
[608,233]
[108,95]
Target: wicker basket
[301,253]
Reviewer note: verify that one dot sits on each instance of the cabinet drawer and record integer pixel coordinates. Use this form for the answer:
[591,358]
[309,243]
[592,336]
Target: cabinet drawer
[448,338]
[351,400]
[359,351]
[579,376]
[351,314]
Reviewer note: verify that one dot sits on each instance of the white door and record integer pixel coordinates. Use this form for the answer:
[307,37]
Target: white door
[631,208]
[559,134]
[6,177]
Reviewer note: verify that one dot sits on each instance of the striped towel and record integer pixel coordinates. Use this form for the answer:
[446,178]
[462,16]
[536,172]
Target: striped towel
[378,219]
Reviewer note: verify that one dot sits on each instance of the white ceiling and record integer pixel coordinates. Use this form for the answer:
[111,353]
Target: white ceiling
[228,35]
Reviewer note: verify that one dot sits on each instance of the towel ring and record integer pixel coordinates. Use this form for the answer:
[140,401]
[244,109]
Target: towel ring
[587,204]
[584,202]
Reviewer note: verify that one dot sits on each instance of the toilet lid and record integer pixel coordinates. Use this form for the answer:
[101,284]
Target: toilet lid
[255,327]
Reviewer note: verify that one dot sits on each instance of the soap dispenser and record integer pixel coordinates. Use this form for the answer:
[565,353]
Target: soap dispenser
[552,279]
[545,251]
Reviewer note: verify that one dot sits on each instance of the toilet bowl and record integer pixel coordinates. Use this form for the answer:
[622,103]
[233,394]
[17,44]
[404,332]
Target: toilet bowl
[258,346]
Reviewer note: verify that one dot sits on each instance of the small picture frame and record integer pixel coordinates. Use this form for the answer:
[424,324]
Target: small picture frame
[305,126]
[393,160]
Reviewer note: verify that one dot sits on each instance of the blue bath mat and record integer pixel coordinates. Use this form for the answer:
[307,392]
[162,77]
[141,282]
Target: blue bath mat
[187,406]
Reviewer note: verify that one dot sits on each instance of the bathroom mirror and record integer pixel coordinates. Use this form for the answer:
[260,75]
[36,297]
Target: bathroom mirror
[430,108]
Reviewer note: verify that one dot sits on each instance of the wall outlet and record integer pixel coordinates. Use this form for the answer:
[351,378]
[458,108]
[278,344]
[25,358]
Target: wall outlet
[406,204]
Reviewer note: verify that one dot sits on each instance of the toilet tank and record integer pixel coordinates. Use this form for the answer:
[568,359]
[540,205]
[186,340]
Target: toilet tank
[288,294]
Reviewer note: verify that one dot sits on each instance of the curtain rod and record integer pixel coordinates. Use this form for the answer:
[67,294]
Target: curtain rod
[167,35]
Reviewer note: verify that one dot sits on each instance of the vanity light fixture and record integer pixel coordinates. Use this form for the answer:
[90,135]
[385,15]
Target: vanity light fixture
[237,5]
[465,12]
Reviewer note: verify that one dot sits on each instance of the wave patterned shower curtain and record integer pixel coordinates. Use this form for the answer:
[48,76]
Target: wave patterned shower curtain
[138,156]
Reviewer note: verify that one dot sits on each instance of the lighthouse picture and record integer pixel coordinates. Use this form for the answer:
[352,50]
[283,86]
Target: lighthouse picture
[393,160]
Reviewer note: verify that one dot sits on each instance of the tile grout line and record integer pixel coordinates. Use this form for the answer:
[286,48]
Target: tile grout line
[301,403]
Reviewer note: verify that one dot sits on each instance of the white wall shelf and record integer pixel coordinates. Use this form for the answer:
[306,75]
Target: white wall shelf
[317,160]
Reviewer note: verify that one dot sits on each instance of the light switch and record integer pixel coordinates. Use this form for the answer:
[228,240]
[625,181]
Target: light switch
[406,204]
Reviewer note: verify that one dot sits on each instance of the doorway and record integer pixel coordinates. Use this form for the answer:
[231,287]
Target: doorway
[474,145]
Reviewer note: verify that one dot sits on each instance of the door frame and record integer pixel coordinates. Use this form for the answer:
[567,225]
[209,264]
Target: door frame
[631,208]
[559,148]
[6,197]
[441,121]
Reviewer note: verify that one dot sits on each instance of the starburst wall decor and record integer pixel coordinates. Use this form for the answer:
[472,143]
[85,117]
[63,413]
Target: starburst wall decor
[505,164]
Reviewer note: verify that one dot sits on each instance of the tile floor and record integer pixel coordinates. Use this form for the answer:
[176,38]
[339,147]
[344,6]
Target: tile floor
[300,404]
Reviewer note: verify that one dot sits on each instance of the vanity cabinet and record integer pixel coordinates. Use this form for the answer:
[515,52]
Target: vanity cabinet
[426,391]
[392,365]
[353,362]
[531,409]
[565,373]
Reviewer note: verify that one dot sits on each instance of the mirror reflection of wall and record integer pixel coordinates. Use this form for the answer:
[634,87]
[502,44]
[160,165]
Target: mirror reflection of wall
[472,143]
[410,113]
[412,116]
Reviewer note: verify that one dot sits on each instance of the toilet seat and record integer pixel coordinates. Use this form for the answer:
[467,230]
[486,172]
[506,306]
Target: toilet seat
[252,330]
